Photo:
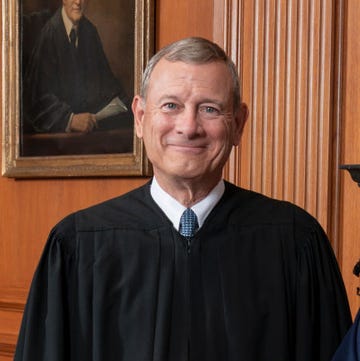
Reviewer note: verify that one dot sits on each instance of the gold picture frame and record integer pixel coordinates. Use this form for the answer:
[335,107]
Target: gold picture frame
[18,161]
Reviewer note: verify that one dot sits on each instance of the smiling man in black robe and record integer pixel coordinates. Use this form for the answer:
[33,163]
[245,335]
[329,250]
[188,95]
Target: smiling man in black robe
[123,280]
[68,79]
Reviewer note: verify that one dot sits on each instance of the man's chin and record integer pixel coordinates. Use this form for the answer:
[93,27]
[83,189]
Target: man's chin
[76,17]
[187,173]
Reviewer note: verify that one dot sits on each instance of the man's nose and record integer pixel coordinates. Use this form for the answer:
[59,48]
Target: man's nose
[188,122]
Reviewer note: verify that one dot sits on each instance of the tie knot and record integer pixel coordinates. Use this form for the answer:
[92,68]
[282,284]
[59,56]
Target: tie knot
[188,223]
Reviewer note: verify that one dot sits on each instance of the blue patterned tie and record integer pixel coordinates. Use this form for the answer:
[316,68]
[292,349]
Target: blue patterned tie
[188,223]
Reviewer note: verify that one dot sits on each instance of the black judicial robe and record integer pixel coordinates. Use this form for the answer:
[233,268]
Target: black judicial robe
[60,80]
[117,282]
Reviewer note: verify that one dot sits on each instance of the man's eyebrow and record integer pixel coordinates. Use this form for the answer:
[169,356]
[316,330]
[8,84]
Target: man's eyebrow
[220,103]
[169,96]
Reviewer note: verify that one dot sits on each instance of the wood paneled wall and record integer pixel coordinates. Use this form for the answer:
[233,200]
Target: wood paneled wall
[285,56]
[298,62]
[300,81]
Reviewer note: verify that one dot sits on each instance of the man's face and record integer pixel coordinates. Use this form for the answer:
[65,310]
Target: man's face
[187,122]
[74,9]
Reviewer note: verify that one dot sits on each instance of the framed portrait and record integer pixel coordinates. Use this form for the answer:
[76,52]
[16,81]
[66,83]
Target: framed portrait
[70,71]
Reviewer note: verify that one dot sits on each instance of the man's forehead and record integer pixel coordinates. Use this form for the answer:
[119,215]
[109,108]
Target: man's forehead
[198,82]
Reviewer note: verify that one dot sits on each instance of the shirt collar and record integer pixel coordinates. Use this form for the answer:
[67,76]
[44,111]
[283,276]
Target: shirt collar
[67,22]
[173,209]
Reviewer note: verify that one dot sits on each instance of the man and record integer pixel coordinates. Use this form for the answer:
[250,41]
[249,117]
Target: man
[349,349]
[68,79]
[142,277]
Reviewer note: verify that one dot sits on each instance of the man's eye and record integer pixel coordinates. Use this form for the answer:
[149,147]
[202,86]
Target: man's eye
[169,106]
[209,110]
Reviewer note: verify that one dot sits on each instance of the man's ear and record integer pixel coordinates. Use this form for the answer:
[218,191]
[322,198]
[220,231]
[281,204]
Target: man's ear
[240,120]
[138,108]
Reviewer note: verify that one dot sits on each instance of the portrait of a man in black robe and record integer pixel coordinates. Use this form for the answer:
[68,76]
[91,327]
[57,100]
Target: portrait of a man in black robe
[68,84]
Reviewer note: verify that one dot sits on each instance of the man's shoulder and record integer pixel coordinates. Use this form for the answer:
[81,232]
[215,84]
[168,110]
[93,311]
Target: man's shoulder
[54,22]
[268,219]
[52,27]
[127,211]
[122,211]
[256,208]
[87,26]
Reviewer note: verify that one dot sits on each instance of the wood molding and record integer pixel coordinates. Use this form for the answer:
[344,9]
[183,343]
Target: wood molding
[13,299]
[336,132]
[15,306]
[7,344]
[12,303]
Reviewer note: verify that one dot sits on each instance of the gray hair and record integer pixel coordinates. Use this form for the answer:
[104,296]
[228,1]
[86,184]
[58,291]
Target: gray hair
[193,50]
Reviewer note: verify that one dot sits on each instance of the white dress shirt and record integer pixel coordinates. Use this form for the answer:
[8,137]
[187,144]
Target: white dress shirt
[173,209]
